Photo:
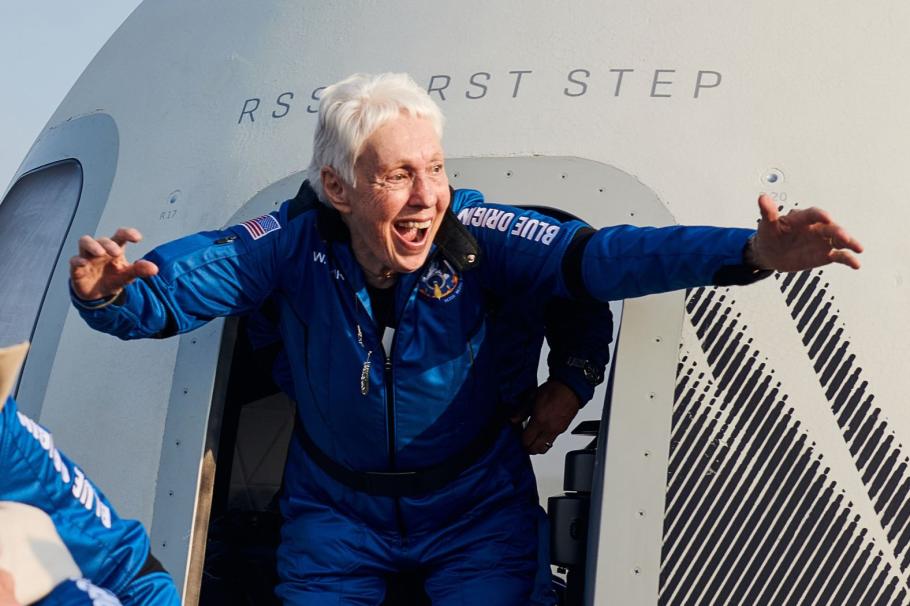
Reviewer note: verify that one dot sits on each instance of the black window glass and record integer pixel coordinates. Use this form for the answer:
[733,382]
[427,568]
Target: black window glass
[34,219]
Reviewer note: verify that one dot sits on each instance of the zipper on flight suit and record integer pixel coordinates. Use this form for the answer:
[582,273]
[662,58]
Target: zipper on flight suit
[386,342]
[387,376]
[390,399]
[388,347]
[390,408]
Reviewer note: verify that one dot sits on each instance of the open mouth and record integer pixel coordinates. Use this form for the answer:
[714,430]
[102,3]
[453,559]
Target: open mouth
[413,232]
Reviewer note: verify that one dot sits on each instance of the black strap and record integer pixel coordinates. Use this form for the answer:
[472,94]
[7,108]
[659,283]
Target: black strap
[151,565]
[457,244]
[402,483]
[571,264]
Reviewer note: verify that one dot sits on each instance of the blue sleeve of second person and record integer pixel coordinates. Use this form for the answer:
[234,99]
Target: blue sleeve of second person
[108,549]
[76,592]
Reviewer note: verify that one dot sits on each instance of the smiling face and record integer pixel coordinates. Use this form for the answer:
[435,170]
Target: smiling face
[397,206]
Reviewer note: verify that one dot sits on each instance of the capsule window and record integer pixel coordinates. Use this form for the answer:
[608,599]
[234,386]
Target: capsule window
[35,217]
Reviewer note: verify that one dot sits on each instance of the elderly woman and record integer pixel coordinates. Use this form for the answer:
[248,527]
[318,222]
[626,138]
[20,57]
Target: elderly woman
[384,278]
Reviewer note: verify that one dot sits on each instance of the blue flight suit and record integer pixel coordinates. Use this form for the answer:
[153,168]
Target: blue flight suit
[425,402]
[110,551]
[580,330]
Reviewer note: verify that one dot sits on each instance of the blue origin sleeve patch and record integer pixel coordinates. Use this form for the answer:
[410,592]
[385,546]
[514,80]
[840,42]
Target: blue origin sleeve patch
[260,226]
[529,227]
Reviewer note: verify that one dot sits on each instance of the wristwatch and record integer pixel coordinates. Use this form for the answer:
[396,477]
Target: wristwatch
[593,374]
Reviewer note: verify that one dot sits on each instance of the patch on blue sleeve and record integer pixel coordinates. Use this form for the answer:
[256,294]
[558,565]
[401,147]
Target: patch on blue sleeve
[261,226]
[528,226]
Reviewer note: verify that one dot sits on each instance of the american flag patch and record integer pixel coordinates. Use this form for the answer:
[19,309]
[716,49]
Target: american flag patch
[260,226]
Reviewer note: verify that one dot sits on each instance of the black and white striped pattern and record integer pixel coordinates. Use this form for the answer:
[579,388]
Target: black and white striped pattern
[876,452]
[752,516]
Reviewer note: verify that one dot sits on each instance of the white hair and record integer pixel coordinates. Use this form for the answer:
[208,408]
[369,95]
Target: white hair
[351,110]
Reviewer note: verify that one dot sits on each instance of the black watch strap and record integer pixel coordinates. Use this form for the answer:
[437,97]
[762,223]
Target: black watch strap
[593,374]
